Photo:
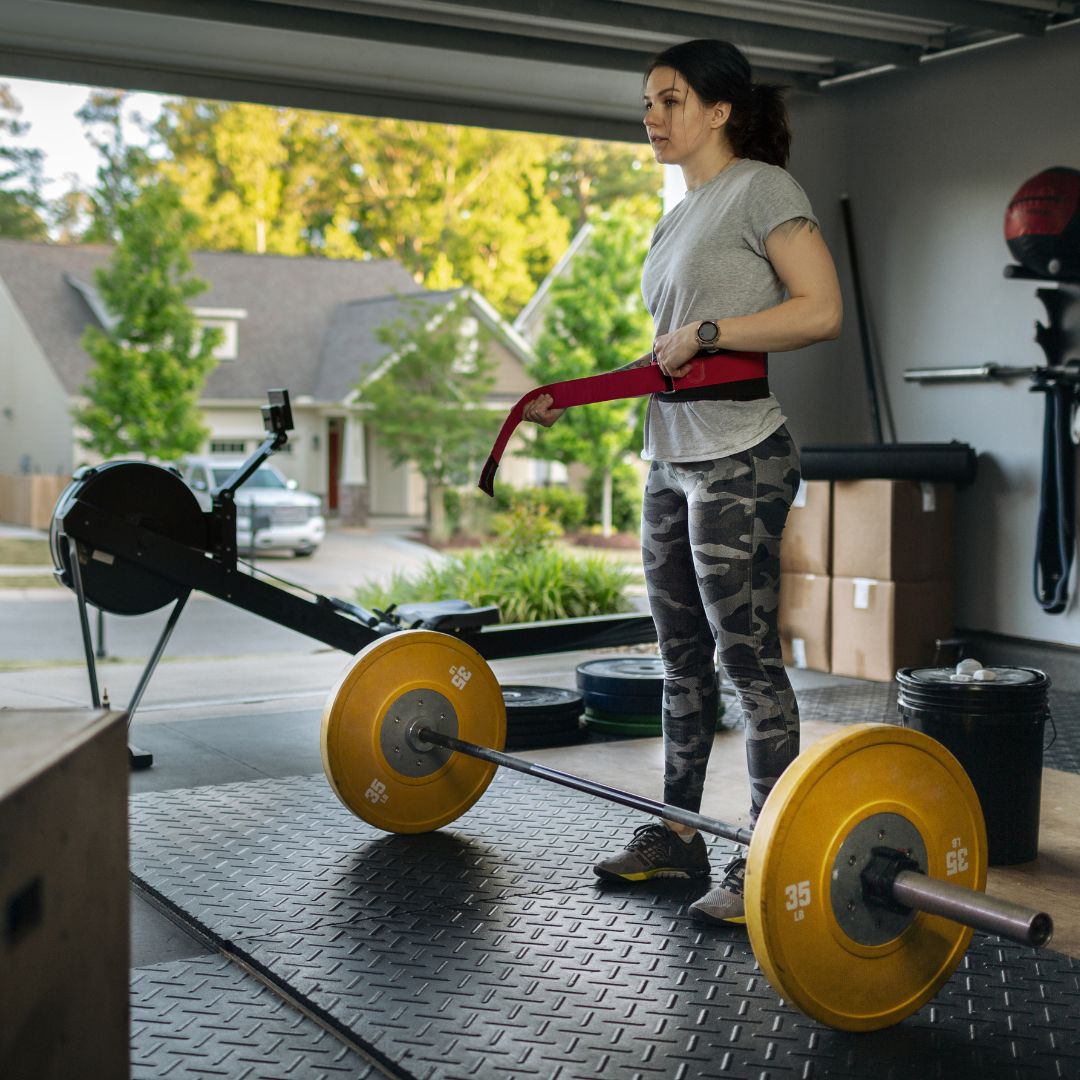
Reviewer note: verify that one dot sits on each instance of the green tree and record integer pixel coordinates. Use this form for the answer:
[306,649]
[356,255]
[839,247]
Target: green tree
[596,321]
[151,363]
[587,173]
[22,206]
[455,205]
[492,210]
[123,171]
[427,407]
[249,172]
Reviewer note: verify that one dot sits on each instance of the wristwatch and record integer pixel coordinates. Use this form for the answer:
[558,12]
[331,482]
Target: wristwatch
[708,336]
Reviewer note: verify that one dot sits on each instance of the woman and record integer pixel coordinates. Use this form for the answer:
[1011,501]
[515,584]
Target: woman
[739,264]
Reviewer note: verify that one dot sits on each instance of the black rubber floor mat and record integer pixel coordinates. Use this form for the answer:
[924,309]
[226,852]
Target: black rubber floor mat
[207,1017]
[488,949]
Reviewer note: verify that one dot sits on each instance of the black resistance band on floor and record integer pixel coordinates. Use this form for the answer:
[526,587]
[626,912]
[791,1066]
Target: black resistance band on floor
[488,949]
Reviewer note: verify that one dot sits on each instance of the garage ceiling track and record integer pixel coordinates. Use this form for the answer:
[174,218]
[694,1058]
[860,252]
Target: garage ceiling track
[561,66]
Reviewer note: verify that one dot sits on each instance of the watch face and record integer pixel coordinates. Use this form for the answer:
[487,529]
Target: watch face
[708,331]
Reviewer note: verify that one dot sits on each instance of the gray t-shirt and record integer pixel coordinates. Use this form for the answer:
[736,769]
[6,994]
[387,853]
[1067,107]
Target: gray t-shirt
[707,261]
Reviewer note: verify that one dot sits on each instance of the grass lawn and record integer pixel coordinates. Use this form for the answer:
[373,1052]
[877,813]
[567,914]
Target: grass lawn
[19,552]
[28,581]
[35,556]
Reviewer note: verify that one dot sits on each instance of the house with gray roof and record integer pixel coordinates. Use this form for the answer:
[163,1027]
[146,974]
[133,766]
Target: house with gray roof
[307,324]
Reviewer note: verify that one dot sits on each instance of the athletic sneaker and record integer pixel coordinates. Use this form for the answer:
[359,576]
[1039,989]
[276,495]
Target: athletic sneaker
[657,852]
[724,904]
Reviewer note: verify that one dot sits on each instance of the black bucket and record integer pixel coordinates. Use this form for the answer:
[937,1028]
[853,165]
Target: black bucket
[995,730]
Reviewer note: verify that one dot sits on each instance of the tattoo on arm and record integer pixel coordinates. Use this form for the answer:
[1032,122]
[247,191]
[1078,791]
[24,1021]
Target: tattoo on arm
[641,361]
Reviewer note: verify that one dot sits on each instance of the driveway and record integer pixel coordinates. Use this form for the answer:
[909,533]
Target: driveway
[349,557]
[42,624]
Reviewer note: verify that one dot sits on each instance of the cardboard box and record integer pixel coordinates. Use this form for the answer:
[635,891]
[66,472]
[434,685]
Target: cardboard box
[893,530]
[64,888]
[880,626]
[805,547]
[805,602]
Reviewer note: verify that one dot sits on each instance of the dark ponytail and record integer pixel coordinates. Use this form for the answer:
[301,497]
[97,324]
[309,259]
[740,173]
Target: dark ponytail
[718,71]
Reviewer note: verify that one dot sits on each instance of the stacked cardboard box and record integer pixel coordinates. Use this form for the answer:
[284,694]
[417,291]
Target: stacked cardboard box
[805,593]
[892,587]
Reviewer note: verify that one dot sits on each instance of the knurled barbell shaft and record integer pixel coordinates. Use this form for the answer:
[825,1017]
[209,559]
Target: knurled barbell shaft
[589,787]
[910,888]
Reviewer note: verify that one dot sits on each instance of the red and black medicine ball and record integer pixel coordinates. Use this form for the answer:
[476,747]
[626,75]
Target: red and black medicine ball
[1042,224]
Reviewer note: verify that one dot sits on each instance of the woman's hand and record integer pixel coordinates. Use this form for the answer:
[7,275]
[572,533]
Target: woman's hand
[539,410]
[674,351]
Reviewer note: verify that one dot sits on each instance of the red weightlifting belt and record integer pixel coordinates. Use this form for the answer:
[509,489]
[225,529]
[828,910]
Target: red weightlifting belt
[711,369]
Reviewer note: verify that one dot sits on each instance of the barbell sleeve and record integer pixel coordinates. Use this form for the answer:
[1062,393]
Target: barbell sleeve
[420,735]
[975,909]
[976,373]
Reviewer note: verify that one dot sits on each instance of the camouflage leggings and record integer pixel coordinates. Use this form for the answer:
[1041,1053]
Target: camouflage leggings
[711,547]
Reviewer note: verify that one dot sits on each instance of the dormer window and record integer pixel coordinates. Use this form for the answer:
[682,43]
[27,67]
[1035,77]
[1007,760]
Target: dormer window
[227,320]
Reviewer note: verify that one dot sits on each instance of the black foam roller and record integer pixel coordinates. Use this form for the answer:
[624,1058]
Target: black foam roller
[952,462]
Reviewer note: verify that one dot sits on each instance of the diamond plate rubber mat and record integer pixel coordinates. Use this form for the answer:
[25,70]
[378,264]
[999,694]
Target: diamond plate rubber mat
[207,1017]
[489,950]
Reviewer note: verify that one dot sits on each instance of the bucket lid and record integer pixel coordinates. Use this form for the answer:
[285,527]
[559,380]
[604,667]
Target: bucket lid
[1010,691]
[1003,676]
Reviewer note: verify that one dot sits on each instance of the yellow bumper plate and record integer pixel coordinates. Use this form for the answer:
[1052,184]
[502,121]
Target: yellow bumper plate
[865,771]
[404,677]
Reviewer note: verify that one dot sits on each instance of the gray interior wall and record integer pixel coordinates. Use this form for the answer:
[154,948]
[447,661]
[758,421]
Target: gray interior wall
[822,388]
[930,158]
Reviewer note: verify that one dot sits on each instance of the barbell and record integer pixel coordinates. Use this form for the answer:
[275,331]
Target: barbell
[865,871]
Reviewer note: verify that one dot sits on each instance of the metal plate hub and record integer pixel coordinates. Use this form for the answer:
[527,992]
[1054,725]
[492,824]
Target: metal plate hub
[424,708]
[864,922]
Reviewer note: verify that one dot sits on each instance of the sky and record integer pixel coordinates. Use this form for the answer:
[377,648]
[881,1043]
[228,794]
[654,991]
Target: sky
[49,108]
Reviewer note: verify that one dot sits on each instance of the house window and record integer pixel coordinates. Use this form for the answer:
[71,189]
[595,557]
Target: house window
[227,320]
[228,446]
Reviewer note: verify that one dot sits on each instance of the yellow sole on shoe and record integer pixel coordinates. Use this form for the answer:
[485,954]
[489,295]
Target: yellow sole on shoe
[647,875]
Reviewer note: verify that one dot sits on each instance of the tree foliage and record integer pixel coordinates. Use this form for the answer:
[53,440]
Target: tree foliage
[123,170]
[588,175]
[151,363]
[492,210]
[241,168]
[456,205]
[427,406]
[596,322]
[22,205]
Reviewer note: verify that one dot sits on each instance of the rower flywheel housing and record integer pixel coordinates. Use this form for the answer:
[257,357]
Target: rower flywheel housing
[137,493]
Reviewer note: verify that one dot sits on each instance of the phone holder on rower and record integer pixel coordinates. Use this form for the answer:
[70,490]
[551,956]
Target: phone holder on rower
[221,527]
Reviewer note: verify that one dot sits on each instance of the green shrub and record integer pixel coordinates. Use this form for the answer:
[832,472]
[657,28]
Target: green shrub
[454,507]
[625,498]
[565,507]
[543,582]
[469,513]
[520,531]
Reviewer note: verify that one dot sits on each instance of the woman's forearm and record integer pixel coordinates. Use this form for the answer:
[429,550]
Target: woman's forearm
[792,324]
